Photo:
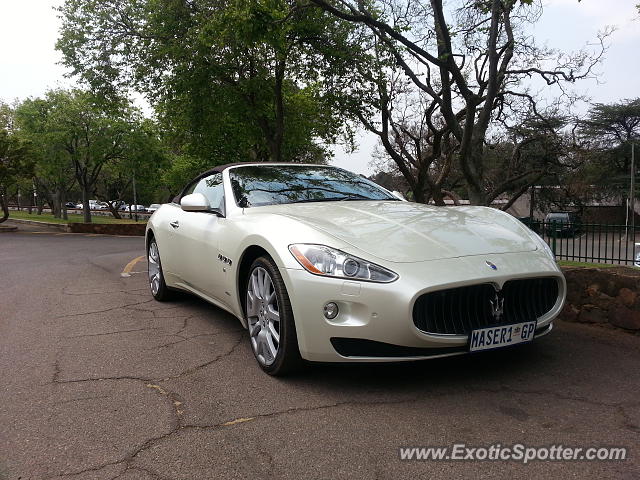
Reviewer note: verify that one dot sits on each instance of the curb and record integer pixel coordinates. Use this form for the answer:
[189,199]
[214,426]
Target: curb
[119,229]
[60,227]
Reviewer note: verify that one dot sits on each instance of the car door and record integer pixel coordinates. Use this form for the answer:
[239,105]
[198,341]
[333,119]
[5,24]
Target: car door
[196,236]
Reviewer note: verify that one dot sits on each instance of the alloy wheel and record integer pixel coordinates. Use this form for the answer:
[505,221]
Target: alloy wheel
[263,316]
[153,259]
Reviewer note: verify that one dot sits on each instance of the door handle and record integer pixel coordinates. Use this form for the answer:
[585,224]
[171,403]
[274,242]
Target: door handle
[175,224]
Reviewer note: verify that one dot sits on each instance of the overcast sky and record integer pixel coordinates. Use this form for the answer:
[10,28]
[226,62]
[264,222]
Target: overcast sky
[29,28]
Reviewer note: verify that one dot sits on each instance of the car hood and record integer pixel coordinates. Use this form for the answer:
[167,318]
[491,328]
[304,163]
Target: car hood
[412,232]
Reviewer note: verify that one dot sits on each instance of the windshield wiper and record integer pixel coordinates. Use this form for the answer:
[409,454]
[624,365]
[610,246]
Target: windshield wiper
[345,198]
[326,199]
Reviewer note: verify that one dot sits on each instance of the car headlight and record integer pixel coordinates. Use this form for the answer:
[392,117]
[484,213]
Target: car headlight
[330,262]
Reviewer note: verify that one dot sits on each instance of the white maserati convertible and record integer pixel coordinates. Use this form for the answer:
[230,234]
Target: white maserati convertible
[323,265]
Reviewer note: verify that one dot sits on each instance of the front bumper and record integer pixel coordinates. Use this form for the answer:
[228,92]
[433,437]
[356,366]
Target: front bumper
[375,322]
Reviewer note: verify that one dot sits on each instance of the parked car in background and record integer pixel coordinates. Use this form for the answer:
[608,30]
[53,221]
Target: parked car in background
[562,223]
[153,207]
[123,207]
[117,204]
[70,205]
[138,208]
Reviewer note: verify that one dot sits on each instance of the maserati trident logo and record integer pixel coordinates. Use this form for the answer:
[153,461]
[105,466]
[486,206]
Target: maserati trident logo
[491,265]
[497,306]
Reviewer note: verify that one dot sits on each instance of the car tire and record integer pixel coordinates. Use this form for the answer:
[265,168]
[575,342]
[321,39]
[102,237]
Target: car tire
[266,299]
[157,285]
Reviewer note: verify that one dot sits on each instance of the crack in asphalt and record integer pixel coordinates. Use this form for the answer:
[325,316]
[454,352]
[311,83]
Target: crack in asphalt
[103,292]
[119,307]
[179,426]
[81,472]
[628,422]
[175,400]
[191,370]
[116,332]
[176,422]
[557,395]
[103,379]
[189,338]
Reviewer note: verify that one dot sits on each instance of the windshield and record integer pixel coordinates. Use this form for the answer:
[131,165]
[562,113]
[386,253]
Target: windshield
[259,185]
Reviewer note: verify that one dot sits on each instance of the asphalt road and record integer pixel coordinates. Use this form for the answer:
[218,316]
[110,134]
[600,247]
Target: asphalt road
[101,382]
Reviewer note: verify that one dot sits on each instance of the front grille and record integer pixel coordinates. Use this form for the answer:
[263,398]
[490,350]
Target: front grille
[457,311]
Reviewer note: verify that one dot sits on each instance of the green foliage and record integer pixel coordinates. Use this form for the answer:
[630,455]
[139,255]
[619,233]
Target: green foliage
[14,160]
[15,163]
[183,168]
[231,80]
[97,142]
[607,134]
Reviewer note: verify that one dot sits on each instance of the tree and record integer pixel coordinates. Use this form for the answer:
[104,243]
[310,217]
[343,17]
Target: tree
[606,135]
[231,80]
[450,77]
[79,128]
[14,158]
[54,171]
[143,159]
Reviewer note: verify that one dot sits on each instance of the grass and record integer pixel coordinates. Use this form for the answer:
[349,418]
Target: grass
[73,218]
[566,263]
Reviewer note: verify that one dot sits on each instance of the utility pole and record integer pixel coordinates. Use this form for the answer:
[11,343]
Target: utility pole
[35,195]
[532,197]
[135,197]
[632,193]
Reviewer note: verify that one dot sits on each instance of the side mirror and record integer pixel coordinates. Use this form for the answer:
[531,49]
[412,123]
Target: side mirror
[196,202]
[399,195]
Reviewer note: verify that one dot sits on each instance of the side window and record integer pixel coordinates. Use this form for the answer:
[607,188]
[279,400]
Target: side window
[189,190]
[212,188]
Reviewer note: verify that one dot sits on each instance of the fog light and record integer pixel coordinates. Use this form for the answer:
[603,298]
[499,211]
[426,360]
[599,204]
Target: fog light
[330,310]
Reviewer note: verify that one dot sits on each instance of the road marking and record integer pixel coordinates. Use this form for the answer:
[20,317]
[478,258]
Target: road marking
[129,267]
[238,420]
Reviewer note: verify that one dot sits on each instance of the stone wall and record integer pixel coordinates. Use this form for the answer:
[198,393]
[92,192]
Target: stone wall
[607,295]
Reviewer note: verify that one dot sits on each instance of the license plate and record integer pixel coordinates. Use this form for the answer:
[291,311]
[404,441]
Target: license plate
[504,336]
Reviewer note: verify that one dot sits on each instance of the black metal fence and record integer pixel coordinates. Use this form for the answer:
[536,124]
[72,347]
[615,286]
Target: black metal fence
[591,242]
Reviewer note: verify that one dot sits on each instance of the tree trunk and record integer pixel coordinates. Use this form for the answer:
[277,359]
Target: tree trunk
[40,204]
[438,198]
[86,210]
[5,207]
[474,174]
[114,210]
[278,136]
[55,204]
[63,205]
